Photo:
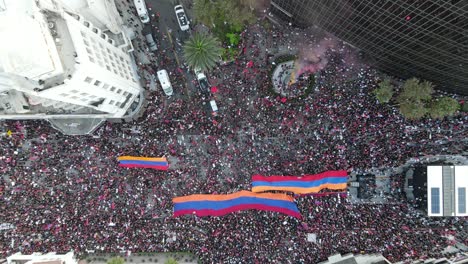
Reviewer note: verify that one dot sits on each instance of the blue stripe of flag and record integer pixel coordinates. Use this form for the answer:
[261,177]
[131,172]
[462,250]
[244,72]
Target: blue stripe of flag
[142,162]
[219,205]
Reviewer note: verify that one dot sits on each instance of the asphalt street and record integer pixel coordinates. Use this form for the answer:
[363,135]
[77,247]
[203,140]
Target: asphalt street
[170,39]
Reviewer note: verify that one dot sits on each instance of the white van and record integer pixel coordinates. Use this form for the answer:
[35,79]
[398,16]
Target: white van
[142,11]
[163,78]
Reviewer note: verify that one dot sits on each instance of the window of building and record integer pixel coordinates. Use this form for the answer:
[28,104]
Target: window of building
[112,88]
[103,36]
[84,100]
[63,94]
[95,30]
[89,51]
[435,197]
[91,59]
[74,97]
[108,68]
[83,34]
[125,93]
[88,79]
[111,41]
[462,200]
[97,83]
[86,23]
[83,94]
[92,96]
[74,91]
[118,104]
[86,42]
[105,86]
[119,91]
[111,102]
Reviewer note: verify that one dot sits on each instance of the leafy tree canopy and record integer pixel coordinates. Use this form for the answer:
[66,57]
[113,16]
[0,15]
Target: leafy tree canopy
[116,260]
[416,91]
[443,106]
[171,261]
[223,13]
[412,110]
[385,91]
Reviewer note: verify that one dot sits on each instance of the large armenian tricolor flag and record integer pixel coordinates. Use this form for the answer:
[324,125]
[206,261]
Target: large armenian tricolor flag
[221,204]
[143,162]
[333,180]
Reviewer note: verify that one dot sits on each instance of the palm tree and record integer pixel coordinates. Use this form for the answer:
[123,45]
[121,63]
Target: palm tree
[202,51]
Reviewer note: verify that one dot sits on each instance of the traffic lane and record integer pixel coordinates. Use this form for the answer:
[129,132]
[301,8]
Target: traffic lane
[165,9]
[175,37]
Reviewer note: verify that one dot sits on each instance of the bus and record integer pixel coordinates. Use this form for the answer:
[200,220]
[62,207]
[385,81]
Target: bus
[165,83]
[142,11]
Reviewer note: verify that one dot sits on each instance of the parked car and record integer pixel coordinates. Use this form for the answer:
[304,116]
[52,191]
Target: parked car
[181,17]
[214,108]
[151,43]
[203,84]
[142,11]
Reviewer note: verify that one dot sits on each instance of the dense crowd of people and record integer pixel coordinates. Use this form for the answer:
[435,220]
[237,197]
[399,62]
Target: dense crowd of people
[67,193]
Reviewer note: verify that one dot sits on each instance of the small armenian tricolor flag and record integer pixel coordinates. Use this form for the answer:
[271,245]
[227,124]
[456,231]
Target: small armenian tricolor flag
[143,162]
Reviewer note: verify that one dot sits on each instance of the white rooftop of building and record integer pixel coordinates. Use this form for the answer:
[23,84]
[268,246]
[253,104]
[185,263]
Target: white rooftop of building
[29,50]
[446,190]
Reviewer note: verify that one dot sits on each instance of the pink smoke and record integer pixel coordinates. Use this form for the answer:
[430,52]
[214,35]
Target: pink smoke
[312,57]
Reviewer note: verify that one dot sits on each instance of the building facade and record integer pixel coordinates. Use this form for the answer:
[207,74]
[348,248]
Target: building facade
[63,58]
[39,258]
[424,39]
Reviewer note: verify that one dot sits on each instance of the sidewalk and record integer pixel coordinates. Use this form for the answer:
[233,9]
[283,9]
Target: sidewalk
[143,258]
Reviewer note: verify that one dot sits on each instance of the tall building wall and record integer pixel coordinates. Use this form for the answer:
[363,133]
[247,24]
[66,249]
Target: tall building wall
[64,62]
[427,39]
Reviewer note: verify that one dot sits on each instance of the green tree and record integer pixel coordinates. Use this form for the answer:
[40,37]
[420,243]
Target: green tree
[413,110]
[171,261]
[443,106]
[464,107]
[414,98]
[416,91]
[233,38]
[205,12]
[116,260]
[202,51]
[222,14]
[385,91]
